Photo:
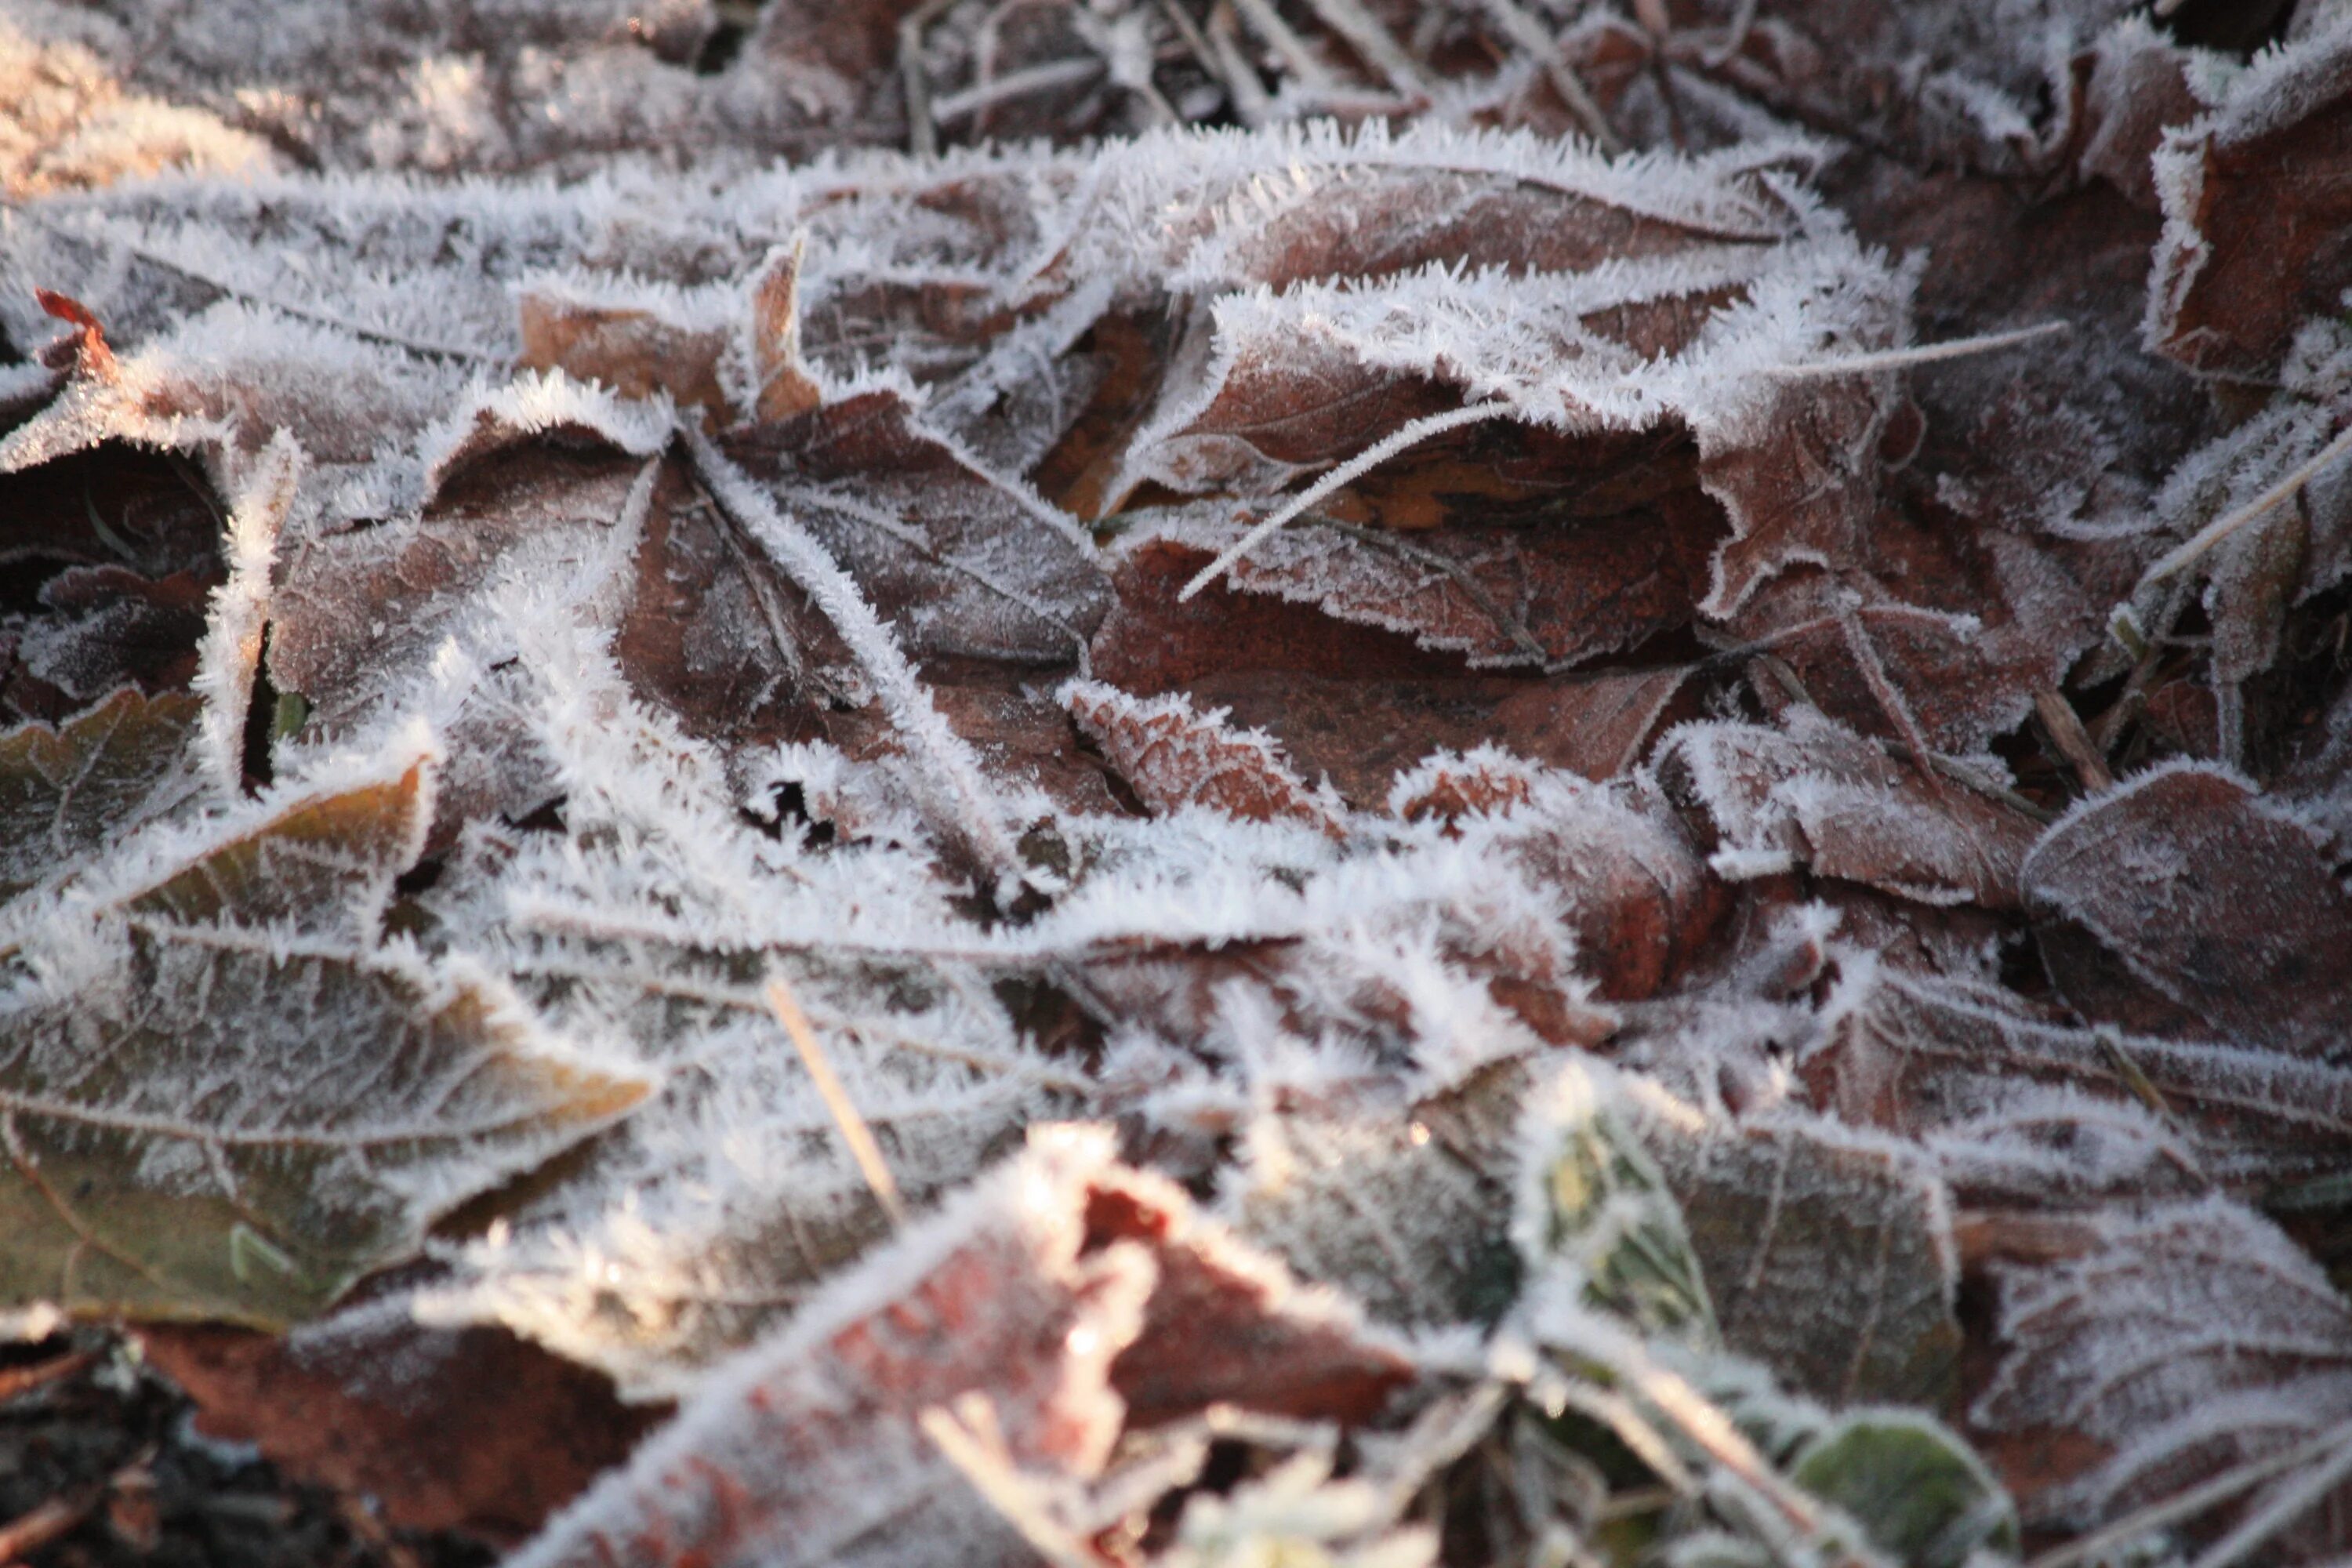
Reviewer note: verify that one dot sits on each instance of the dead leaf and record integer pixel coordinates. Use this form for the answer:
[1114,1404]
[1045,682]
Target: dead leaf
[966,564]
[2254,215]
[68,792]
[1828,1252]
[1066,1294]
[1174,757]
[1819,796]
[2182,1339]
[2179,904]
[166,1159]
[469,1430]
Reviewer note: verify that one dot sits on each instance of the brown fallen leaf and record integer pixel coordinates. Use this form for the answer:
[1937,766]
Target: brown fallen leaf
[963,562]
[69,791]
[1068,1294]
[1545,594]
[2255,215]
[2180,904]
[2179,1339]
[469,1430]
[1819,796]
[1174,757]
[2026,1108]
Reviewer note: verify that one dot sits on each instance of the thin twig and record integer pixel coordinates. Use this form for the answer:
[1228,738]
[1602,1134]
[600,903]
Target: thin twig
[2293,1500]
[1925,353]
[2222,527]
[2066,732]
[922,133]
[2186,1504]
[1268,25]
[854,1130]
[968,1440]
[1355,467]
[1365,33]
[1524,32]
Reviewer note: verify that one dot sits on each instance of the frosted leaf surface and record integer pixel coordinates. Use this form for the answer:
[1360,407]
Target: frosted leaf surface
[67,791]
[1533,594]
[2179,903]
[963,562]
[223,1097]
[1404,1207]
[2021,1102]
[2253,207]
[1828,1252]
[1818,795]
[2184,1338]
[1066,1294]
[1174,758]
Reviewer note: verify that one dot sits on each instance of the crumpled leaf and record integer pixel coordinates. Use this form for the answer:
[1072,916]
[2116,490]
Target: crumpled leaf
[1817,794]
[2179,904]
[166,1156]
[1063,1294]
[1173,757]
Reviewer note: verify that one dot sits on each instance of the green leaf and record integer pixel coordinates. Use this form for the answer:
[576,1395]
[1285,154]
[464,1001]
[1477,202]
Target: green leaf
[1600,1205]
[1918,1492]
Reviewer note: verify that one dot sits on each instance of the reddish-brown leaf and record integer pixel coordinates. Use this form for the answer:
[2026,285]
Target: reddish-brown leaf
[2179,904]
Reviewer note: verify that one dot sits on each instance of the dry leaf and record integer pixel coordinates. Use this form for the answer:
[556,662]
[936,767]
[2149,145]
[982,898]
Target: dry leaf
[2179,904]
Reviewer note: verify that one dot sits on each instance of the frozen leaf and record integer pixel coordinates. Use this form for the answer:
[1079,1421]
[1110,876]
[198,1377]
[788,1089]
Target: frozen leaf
[1930,86]
[2019,1103]
[68,792]
[221,1098]
[1538,594]
[965,562]
[2180,903]
[1918,1492]
[1817,794]
[1912,673]
[1174,758]
[1405,1206]
[2260,515]
[1828,1252]
[1789,448]
[1064,1294]
[470,1430]
[2178,1340]
[1593,1201]
[1151,643]
[2254,214]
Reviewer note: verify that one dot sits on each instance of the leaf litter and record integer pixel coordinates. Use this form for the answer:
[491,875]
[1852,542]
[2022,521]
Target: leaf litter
[1532,781]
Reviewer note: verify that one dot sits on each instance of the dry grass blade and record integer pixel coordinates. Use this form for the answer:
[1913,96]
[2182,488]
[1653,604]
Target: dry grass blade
[2253,511]
[1355,467]
[2189,1502]
[968,1437]
[855,1132]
